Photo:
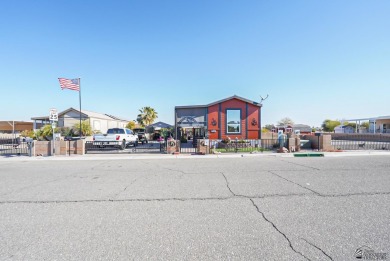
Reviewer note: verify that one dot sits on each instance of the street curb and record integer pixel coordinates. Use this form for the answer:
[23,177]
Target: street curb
[182,156]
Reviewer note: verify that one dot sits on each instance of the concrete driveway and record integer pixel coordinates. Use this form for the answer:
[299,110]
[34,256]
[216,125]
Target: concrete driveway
[249,208]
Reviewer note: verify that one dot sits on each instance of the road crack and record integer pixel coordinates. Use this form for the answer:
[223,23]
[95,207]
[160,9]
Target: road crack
[278,230]
[315,192]
[318,248]
[117,194]
[301,165]
[331,195]
[228,186]
[111,200]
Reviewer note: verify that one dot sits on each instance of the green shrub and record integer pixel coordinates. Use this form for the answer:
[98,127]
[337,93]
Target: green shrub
[28,133]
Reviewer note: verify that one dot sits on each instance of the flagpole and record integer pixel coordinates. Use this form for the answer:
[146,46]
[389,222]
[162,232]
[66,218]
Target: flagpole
[80,103]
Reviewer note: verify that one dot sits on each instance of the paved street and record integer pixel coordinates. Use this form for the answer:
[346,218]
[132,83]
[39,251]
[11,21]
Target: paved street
[238,208]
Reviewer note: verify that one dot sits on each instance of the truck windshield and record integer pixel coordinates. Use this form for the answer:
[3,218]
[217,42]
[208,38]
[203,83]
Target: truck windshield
[115,131]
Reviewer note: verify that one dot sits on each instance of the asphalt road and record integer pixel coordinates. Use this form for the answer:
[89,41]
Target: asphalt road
[250,208]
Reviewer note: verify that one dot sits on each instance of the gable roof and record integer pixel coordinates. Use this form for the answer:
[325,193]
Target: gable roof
[343,127]
[302,127]
[85,114]
[235,97]
[220,101]
[160,124]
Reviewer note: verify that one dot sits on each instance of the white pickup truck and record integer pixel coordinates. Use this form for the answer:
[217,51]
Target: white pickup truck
[116,137]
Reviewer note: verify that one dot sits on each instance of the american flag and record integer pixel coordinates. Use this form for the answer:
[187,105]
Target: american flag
[71,84]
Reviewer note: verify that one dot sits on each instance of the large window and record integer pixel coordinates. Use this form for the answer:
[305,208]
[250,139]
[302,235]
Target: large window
[233,119]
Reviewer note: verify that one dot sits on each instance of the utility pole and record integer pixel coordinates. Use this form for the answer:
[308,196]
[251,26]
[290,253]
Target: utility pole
[261,106]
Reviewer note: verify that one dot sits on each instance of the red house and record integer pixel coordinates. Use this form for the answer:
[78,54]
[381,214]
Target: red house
[233,117]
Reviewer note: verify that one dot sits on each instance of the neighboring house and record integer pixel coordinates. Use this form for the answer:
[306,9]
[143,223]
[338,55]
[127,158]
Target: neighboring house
[233,117]
[160,125]
[344,129]
[293,128]
[15,126]
[379,124]
[99,122]
[302,128]
[154,130]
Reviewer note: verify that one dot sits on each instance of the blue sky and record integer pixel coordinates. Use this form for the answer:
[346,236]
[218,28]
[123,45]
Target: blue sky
[315,59]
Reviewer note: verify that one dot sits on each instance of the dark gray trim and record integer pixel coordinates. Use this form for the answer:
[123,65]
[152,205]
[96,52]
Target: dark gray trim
[176,124]
[226,121]
[260,123]
[191,106]
[246,120]
[206,132]
[219,121]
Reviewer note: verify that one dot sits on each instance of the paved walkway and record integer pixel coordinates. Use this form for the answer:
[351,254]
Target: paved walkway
[188,156]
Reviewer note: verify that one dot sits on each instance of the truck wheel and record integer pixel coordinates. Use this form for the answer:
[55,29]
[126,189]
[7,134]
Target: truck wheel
[123,145]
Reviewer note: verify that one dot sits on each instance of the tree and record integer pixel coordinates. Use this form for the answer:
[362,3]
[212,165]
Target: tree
[86,129]
[166,132]
[130,125]
[329,125]
[365,125]
[286,121]
[47,131]
[351,124]
[268,127]
[265,130]
[147,116]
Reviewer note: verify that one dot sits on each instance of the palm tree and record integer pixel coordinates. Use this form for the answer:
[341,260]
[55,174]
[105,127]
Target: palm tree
[147,116]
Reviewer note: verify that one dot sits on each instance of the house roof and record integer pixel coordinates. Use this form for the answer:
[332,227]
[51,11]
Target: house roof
[17,125]
[343,126]
[85,113]
[382,118]
[220,101]
[238,98]
[160,124]
[302,127]
[369,119]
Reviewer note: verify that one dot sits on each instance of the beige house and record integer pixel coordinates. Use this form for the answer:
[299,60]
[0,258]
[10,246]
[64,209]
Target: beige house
[380,124]
[99,122]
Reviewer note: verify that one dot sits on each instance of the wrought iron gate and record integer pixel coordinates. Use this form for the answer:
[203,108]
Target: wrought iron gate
[15,146]
[93,147]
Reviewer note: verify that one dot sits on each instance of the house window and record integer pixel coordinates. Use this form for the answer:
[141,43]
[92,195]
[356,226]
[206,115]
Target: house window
[233,120]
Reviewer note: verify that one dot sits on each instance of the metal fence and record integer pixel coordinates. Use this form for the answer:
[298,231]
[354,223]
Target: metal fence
[361,137]
[190,147]
[360,145]
[188,150]
[244,145]
[14,146]
[115,147]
